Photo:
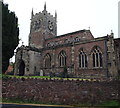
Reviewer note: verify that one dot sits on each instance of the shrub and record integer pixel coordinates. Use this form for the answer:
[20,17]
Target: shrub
[64,74]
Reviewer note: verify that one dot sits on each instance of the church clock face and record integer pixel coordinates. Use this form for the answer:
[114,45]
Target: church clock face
[50,25]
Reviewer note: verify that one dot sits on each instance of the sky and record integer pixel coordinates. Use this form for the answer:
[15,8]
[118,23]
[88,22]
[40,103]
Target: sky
[100,16]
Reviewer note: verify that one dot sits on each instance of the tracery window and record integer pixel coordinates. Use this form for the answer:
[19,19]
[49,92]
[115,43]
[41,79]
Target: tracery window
[47,61]
[82,59]
[97,57]
[62,59]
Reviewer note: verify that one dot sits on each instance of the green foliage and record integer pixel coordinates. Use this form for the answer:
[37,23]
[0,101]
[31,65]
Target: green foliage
[10,35]
[0,76]
[64,74]
[5,77]
[52,75]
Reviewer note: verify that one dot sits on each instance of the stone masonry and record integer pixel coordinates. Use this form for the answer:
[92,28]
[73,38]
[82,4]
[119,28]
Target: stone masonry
[70,92]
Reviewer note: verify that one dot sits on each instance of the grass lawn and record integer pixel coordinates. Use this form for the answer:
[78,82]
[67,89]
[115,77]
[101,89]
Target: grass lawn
[112,103]
[44,77]
[15,76]
[106,104]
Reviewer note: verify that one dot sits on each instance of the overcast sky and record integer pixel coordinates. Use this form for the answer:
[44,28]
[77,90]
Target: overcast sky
[72,15]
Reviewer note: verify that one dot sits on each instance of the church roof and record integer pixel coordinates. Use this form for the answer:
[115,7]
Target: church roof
[75,32]
[72,33]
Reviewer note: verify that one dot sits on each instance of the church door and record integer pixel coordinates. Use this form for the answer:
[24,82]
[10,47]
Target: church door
[22,68]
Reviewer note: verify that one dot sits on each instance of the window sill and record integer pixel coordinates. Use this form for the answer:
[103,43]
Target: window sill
[82,68]
[97,67]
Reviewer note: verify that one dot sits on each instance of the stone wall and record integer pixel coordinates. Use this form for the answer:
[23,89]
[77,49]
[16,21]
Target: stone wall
[61,91]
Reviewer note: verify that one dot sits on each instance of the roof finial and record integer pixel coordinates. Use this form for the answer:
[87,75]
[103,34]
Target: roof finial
[89,27]
[45,6]
[55,14]
[111,31]
[32,13]
[22,43]
[112,34]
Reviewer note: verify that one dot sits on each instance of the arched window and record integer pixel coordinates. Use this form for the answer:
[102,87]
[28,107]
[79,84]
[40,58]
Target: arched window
[62,59]
[47,61]
[82,59]
[97,57]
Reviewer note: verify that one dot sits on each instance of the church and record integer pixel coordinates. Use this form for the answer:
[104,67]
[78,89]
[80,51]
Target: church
[78,51]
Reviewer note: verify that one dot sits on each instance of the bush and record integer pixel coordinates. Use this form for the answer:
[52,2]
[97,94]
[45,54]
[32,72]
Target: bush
[52,75]
[64,74]
[5,77]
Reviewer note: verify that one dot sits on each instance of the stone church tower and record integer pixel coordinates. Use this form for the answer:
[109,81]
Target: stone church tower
[43,26]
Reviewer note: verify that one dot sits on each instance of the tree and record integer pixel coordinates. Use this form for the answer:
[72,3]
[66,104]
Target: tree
[10,35]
